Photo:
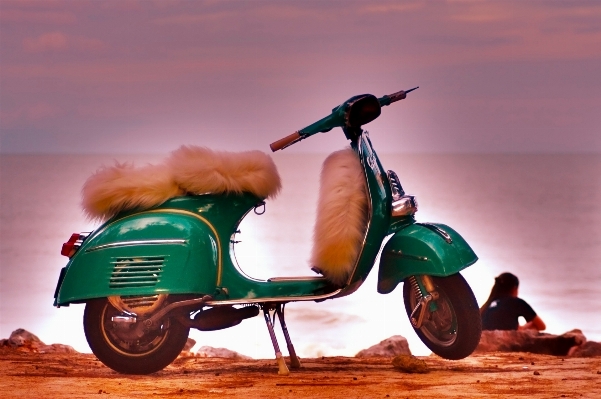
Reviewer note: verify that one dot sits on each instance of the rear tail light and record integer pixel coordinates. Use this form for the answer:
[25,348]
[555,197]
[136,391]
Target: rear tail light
[70,247]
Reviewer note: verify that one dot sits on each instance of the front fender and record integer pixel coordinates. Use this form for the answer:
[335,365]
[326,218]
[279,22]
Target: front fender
[428,248]
[155,252]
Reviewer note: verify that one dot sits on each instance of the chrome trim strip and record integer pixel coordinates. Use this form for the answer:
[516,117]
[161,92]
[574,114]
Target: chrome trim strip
[300,278]
[401,254]
[137,242]
[275,299]
[438,230]
[369,205]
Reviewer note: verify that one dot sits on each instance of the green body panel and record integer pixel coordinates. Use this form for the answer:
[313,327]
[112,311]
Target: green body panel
[191,266]
[418,250]
[186,241]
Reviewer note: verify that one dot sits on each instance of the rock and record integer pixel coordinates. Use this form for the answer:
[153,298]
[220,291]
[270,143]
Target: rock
[187,351]
[25,341]
[587,349]
[529,341]
[410,364]
[189,344]
[21,337]
[390,347]
[57,348]
[209,351]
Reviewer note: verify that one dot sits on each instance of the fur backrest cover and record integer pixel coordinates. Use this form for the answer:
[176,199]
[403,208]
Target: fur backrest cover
[189,169]
[342,214]
[224,172]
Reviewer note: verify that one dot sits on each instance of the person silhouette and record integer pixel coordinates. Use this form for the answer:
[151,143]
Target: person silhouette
[503,308]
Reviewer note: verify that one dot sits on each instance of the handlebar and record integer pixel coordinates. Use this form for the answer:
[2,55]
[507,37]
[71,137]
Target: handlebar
[394,97]
[336,119]
[285,142]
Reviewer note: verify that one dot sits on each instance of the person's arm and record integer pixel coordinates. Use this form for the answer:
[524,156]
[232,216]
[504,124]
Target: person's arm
[535,324]
[533,321]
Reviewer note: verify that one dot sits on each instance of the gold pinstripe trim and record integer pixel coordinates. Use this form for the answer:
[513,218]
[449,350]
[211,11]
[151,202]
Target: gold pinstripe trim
[219,250]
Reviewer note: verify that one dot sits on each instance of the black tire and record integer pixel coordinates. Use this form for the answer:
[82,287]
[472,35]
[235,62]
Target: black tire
[453,330]
[148,354]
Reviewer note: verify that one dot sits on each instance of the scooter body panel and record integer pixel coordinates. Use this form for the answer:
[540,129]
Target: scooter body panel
[175,248]
[422,249]
[180,247]
[148,253]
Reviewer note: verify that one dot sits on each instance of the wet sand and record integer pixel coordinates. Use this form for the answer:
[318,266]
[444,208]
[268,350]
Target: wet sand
[36,375]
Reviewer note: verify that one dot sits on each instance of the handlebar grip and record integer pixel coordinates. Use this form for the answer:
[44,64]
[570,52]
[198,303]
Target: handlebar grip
[285,142]
[391,98]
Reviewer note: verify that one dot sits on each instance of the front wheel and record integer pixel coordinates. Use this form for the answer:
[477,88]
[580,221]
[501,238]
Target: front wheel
[451,326]
[115,345]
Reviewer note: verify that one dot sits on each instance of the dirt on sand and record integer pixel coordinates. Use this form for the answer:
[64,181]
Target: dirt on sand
[59,375]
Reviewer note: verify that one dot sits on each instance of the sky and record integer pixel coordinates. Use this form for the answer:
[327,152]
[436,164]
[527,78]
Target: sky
[148,76]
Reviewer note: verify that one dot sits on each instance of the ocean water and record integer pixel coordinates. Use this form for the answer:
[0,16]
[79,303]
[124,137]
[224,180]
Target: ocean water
[538,216]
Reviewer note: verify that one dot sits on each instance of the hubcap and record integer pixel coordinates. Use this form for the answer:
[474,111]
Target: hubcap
[440,325]
[121,336]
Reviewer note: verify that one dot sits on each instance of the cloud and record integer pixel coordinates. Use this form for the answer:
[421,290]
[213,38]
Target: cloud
[58,41]
[42,111]
[48,17]
[130,65]
[34,114]
[391,7]
[53,41]
[194,19]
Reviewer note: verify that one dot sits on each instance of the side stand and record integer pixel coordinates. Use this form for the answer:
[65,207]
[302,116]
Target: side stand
[283,369]
[294,361]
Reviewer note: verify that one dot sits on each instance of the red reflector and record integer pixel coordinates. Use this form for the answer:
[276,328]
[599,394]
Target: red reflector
[69,249]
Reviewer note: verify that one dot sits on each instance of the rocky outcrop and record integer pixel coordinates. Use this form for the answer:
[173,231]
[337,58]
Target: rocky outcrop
[390,347]
[588,349]
[189,345]
[531,341]
[25,341]
[187,351]
[209,351]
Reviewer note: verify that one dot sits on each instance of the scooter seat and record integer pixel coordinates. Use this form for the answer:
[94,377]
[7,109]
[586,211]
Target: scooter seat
[188,170]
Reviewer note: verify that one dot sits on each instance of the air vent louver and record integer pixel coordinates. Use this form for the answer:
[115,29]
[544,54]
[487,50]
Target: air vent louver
[136,272]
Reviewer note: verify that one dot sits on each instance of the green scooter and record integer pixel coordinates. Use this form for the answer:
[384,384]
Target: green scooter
[152,271]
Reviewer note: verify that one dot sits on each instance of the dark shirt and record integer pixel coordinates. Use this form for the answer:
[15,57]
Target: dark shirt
[503,314]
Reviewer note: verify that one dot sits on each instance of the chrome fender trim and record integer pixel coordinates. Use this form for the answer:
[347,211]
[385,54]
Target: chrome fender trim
[132,243]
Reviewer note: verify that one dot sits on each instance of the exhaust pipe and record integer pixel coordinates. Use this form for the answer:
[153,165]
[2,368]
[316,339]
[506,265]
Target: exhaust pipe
[221,317]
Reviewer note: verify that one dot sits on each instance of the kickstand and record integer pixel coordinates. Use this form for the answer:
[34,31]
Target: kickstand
[294,361]
[282,368]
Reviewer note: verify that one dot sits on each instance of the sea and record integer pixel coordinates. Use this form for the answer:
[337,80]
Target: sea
[537,216]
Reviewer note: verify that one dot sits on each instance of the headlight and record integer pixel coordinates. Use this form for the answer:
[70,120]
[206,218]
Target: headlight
[404,206]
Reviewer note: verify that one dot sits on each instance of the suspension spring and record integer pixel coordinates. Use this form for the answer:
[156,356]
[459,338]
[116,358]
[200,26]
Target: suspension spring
[415,288]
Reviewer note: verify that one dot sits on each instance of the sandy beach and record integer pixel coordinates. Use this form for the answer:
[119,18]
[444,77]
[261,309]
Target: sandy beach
[39,375]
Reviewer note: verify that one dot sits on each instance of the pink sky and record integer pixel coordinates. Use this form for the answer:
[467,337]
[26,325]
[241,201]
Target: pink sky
[148,76]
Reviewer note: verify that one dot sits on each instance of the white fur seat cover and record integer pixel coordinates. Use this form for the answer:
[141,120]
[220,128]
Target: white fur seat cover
[342,215]
[189,169]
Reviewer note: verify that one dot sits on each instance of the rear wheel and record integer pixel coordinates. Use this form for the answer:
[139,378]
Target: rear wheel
[451,326]
[115,344]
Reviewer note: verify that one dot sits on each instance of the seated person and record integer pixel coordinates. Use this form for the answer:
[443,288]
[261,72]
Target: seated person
[503,308]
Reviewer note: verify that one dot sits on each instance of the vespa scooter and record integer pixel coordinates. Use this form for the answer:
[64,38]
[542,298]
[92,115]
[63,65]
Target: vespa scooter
[152,270]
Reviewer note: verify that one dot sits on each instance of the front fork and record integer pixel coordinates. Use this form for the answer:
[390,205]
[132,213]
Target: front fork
[424,287]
